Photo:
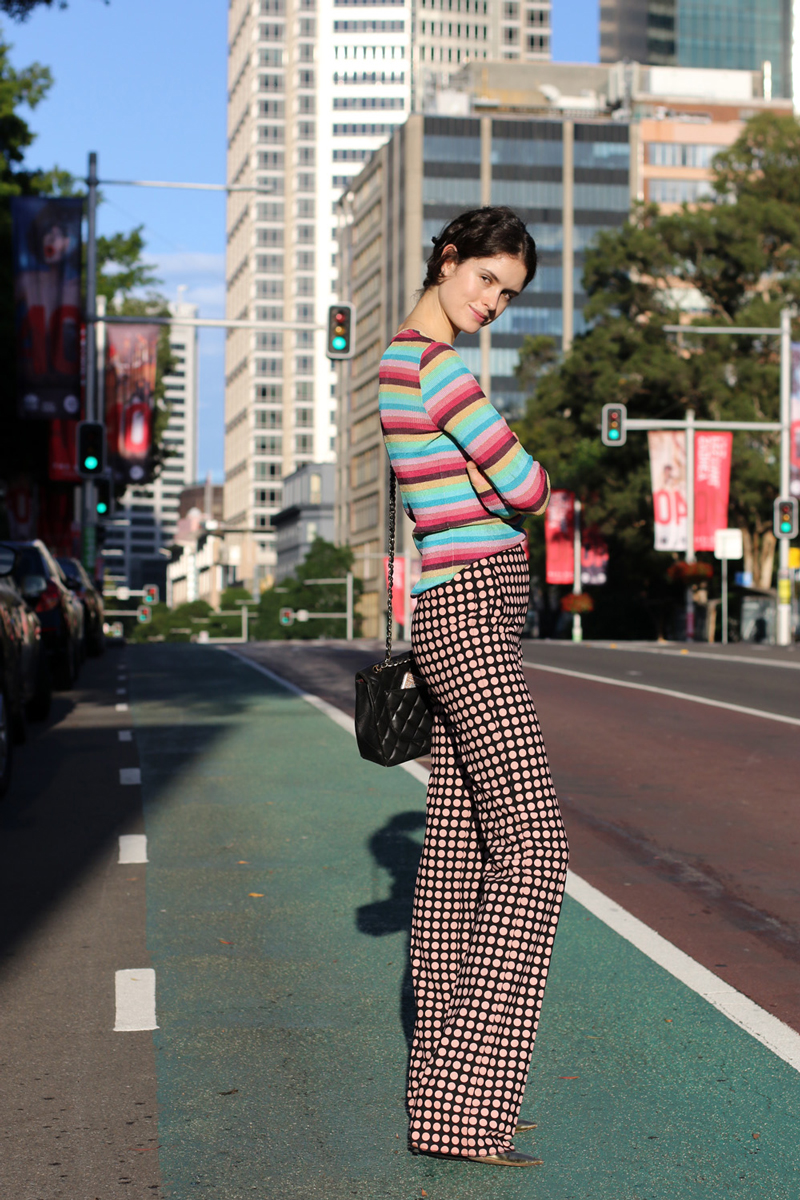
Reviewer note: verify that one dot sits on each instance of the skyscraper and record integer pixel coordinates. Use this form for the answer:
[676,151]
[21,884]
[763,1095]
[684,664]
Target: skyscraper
[314,88]
[733,34]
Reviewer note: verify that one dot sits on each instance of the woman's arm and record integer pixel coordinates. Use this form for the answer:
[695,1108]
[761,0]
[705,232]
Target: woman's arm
[491,500]
[455,403]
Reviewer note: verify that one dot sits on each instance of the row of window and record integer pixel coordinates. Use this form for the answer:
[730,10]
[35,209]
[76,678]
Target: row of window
[526,193]
[369,77]
[675,154]
[369,26]
[678,191]
[303,365]
[523,151]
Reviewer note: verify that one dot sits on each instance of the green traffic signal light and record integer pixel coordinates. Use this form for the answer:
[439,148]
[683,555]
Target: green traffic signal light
[91,463]
[102,507]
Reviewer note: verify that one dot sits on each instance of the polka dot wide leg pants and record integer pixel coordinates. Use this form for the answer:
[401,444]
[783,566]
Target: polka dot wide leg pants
[493,866]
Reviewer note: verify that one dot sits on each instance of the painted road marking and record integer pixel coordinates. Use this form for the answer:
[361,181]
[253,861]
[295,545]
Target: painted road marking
[659,691]
[133,848]
[129,775]
[121,707]
[782,1040]
[125,735]
[687,654]
[135,993]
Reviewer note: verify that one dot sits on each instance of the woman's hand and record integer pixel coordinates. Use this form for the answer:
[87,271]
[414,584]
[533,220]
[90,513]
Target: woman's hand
[477,477]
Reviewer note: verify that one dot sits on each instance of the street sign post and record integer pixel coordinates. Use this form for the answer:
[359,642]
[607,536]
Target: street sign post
[727,545]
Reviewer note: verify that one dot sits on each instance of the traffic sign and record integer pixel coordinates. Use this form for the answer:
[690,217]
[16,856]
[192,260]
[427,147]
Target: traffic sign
[784,518]
[613,431]
[151,593]
[728,544]
[91,449]
[144,614]
[104,501]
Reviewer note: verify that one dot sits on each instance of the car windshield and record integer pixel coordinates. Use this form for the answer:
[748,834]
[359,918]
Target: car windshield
[29,562]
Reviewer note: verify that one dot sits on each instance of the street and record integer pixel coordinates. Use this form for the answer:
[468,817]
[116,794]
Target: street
[274,906]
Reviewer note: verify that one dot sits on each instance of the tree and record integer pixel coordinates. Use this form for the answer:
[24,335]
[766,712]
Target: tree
[736,259]
[20,10]
[323,561]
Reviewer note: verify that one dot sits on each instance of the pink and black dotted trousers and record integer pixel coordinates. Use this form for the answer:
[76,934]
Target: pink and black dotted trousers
[493,866]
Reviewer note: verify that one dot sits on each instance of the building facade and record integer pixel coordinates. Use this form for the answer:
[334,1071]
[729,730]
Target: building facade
[308,514]
[567,178]
[733,35]
[137,541]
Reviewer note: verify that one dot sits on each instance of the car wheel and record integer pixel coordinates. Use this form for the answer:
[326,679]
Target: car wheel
[39,703]
[6,748]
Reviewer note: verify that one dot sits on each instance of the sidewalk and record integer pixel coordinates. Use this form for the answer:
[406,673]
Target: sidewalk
[279,889]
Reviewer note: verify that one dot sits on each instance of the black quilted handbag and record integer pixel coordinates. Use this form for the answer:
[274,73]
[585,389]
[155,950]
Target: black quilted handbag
[393,715]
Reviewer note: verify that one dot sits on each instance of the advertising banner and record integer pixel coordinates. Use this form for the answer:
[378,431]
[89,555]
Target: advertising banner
[46,256]
[594,557]
[712,481]
[131,352]
[63,455]
[559,525]
[794,417]
[668,478]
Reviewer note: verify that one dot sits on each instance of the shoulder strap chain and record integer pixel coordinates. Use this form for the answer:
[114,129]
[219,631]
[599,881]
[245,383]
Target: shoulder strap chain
[390,573]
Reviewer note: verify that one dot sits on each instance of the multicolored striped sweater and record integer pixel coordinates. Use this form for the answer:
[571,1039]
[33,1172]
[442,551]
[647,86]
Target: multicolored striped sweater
[435,418]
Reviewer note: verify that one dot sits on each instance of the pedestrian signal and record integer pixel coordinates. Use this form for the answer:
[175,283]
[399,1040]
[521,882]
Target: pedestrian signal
[104,503]
[784,518]
[151,593]
[91,449]
[613,426]
[341,328]
[286,616]
[144,614]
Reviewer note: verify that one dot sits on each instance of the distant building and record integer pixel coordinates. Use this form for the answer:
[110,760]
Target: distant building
[731,35]
[206,496]
[133,551]
[308,513]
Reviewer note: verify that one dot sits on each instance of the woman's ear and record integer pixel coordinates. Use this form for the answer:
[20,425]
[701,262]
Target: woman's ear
[449,261]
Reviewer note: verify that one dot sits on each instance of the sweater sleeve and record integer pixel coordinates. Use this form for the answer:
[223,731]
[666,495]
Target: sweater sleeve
[455,403]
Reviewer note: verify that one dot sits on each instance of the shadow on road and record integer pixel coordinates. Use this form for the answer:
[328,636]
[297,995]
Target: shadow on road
[395,849]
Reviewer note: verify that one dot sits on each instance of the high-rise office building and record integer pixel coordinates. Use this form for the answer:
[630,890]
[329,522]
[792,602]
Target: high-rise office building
[314,88]
[148,515]
[732,34]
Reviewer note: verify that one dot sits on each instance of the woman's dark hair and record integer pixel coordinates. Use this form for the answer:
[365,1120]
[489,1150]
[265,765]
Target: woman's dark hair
[483,233]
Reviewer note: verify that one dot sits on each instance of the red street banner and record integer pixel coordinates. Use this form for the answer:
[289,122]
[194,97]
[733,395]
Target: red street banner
[712,481]
[63,457]
[130,383]
[46,255]
[559,525]
[668,480]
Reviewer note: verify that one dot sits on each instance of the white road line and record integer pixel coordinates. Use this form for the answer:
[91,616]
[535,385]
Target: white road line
[125,735]
[121,707]
[659,691]
[129,775]
[688,655]
[132,848]
[135,993]
[782,1040]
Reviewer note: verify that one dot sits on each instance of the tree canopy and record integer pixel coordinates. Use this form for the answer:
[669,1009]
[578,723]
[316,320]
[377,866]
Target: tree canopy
[20,10]
[323,561]
[732,260]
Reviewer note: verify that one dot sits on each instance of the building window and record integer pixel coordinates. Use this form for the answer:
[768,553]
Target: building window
[304,392]
[304,285]
[270,392]
[269,288]
[364,513]
[304,364]
[269,341]
[267,470]
[304,418]
[305,79]
[315,489]
[305,182]
[364,467]
[268,418]
[304,443]
[269,496]
[676,191]
[674,154]
[305,260]
[264,444]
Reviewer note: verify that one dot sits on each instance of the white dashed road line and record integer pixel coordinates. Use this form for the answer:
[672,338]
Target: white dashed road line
[133,848]
[129,775]
[135,993]
[121,707]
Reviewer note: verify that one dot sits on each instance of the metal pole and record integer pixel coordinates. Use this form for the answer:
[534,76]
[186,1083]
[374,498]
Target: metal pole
[577,626]
[724,601]
[245,626]
[349,606]
[784,616]
[89,546]
[690,558]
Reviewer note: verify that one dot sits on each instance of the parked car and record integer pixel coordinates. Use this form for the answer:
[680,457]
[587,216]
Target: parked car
[44,586]
[25,687]
[93,616]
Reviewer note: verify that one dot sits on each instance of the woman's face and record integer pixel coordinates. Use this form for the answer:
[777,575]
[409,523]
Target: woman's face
[475,291]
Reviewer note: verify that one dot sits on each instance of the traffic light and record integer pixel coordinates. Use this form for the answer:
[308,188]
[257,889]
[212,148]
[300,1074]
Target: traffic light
[613,428]
[144,614]
[151,593]
[91,449]
[341,330]
[784,518]
[286,616]
[104,503]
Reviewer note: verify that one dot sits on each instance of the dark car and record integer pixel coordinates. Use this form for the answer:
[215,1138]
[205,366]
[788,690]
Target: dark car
[44,586]
[79,582]
[25,688]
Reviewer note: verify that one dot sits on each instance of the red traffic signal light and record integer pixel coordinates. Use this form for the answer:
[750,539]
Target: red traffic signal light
[784,518]
[341,329]
[151,593]
[144,614]
[613,432]
[286,616]
[91,449]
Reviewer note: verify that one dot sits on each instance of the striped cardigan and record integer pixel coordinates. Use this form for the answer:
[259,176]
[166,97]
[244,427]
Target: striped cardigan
[434,418]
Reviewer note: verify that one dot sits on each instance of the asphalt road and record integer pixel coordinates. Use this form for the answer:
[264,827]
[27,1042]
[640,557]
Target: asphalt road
[274,912]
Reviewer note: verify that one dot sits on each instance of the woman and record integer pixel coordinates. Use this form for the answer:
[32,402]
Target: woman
[494,858]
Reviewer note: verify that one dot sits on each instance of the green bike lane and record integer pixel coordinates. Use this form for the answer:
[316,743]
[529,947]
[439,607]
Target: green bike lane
[279,889]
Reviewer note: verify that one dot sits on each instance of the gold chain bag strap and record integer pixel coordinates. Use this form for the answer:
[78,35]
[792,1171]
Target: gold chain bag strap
[393,714]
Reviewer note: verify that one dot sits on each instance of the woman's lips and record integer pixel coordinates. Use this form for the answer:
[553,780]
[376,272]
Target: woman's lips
[478,316]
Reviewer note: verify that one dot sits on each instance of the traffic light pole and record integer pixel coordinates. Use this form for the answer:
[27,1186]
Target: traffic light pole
[89,531]
[577,582]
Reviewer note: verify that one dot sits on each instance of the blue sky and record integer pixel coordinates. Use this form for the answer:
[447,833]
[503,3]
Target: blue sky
[143,83]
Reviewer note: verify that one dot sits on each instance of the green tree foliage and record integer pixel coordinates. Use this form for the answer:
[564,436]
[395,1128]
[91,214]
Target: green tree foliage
[20,10]
[734,261]
[323,561]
